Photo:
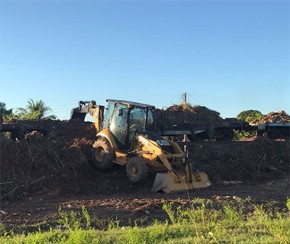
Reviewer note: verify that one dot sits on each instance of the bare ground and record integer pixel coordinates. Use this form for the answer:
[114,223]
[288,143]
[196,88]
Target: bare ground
[131,204]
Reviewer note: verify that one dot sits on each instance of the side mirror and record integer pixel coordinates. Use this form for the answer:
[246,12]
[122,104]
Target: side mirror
[120,112]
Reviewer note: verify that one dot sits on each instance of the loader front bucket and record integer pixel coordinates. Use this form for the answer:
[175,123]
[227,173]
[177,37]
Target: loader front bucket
[168,182]
[77,114]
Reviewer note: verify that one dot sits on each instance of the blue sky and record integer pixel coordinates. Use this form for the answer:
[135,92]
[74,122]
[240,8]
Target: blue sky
[227,55]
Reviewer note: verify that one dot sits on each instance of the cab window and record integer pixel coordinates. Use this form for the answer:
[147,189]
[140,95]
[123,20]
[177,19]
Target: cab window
[118,124]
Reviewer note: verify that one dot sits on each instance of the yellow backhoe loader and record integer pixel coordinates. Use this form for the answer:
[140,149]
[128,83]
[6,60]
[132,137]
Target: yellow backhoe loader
[123,137]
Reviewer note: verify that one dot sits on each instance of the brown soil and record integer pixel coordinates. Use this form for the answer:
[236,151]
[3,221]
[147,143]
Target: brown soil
[39,175]
[133,205]
[184,114]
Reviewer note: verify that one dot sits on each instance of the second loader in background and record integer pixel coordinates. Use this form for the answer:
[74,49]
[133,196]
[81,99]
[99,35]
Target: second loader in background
[124,137]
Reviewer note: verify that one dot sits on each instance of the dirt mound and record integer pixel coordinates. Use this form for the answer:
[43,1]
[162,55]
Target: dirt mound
[31,163]
[184,114]
[276,117]
[188,113]
[258,160]
[60,161]
[78,134]
[76,129]
[36,161]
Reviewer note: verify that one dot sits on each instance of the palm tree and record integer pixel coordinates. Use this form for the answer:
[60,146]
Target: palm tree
[35,110]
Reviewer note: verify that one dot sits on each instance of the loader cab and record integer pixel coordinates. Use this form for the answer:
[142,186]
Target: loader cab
[124,119]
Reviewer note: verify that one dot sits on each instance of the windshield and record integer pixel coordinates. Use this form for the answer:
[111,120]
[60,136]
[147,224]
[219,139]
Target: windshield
[149,118]
[137,119]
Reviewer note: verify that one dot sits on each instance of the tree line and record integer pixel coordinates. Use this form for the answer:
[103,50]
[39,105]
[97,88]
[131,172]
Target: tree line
[34,110]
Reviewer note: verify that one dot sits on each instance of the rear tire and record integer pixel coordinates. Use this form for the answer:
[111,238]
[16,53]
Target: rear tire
[136,169]
[102,155]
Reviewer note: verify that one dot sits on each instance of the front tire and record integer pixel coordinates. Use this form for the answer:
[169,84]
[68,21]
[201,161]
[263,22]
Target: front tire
[102,155]
[136,169]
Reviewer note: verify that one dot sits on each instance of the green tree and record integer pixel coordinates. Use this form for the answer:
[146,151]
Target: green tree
[5,114]
[250,116]
[3,109]
[35,110]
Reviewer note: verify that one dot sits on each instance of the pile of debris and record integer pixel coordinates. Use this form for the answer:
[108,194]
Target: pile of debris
[276,117]
[61,158]
[36,161]
[78,134]
[184,114]
[258,160]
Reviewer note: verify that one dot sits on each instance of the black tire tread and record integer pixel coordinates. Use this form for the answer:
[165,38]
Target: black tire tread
[142,170]
[107,163]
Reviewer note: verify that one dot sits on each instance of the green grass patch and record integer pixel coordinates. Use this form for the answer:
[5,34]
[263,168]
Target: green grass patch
[202,222]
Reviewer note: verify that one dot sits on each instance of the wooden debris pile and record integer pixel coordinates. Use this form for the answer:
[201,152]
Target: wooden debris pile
[276,117]
[36,161]
[184,114]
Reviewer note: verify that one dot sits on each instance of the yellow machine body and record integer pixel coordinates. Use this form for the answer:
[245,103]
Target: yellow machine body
[156,158]
[141,149]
